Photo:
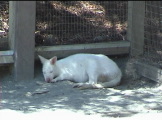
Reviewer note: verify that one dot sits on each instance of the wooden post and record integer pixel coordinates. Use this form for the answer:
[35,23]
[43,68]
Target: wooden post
[22,37]
[136,14]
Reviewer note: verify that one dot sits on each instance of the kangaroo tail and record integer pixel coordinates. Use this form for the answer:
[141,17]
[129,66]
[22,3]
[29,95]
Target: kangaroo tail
[110,83]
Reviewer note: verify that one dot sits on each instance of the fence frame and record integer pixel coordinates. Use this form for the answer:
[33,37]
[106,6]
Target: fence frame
[136,14]
[22,41]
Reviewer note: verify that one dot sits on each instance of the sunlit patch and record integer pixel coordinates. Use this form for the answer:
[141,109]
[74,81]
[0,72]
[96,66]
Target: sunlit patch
[115,98]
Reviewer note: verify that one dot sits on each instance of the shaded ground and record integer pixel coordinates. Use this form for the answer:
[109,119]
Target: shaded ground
[133,97]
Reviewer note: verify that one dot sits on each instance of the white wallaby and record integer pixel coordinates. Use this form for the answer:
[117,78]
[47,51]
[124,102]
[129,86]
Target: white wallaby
[87,70]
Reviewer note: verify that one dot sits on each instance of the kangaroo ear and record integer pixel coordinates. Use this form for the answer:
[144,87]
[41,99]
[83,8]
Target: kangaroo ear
[53,60]
[42,59]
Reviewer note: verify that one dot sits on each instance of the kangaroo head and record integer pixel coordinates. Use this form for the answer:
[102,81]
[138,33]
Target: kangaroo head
[49,68]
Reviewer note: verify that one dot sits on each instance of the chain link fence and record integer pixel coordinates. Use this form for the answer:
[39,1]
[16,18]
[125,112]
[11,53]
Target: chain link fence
[4,18]
[75,22]
[153,34]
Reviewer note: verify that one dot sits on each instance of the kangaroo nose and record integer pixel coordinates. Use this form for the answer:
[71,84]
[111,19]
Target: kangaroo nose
[48,80]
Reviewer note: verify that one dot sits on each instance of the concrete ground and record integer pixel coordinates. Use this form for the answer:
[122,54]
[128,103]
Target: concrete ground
[133,99]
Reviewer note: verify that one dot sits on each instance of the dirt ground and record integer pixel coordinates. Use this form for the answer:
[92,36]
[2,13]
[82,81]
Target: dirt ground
[33,99]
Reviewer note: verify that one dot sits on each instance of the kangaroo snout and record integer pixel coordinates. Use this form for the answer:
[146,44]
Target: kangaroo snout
[48,80]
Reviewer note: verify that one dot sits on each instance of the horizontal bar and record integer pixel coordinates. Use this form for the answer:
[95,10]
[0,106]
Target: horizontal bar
[108,48]
[149,71]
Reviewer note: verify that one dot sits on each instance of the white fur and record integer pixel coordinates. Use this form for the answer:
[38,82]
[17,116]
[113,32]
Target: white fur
[88,70]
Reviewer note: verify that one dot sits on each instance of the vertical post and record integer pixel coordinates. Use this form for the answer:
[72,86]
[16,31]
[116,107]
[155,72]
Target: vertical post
[22,37]
[136,14]
[160,16]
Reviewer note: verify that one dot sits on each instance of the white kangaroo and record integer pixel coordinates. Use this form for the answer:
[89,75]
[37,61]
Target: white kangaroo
[87,70]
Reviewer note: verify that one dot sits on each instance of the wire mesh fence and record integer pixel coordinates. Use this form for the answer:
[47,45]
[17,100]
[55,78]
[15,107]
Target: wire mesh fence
[75,22]
[4,18]
[153,33]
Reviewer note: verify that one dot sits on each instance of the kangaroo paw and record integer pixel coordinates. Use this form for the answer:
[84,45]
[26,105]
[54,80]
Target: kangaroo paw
[53,81]
[83,86]
[78,85]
